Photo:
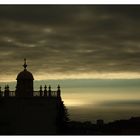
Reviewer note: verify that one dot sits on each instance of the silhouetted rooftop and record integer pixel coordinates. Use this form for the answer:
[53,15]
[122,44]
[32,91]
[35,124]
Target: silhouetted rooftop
[25,75]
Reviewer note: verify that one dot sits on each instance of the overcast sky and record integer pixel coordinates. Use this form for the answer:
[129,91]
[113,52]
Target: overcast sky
[70,41]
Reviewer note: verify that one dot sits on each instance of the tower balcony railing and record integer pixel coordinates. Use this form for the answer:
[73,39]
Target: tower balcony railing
[42,92]
[9,93]
[48,93]
[35,93]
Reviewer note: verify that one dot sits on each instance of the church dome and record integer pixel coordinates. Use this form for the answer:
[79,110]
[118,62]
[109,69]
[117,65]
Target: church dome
[25,75]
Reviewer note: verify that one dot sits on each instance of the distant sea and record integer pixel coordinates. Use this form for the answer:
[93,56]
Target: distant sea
[92,99]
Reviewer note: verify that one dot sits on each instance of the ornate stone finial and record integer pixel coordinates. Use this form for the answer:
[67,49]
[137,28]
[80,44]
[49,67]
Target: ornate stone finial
[41,90]
[58,91]
[25,65]
[7,87]
[45,90]
[49,90]
[40,87]
[45,87]
[49,87]
[58,87]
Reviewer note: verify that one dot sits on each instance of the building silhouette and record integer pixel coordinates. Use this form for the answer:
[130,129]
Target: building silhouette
[25,87]
[25,111]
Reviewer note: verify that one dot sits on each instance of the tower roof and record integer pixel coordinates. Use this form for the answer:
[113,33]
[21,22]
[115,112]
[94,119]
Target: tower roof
[25,74]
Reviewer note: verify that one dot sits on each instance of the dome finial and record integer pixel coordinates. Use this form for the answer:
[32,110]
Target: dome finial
[25,65]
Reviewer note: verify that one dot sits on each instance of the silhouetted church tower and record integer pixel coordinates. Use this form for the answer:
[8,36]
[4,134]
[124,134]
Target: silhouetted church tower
[24,87]
[45,108]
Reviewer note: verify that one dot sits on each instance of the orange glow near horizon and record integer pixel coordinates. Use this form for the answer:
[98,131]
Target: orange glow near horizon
[96,99]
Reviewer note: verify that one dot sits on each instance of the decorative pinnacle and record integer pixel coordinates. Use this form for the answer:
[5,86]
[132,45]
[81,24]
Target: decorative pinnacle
[58,87]
[25,65]
[45,87]
[49,87]
[40,87]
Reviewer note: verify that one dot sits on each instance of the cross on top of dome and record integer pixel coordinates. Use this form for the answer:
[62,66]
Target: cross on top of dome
[25,65]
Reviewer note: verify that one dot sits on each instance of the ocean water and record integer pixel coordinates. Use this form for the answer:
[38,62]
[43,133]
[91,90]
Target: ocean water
[92,99]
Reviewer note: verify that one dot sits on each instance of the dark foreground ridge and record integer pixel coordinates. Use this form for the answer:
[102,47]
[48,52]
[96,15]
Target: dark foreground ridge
[118,127]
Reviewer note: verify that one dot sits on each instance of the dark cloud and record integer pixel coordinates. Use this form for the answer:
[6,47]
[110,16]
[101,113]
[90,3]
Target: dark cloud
[70,38]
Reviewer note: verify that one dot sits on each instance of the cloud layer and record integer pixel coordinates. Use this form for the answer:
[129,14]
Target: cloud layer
[65,41]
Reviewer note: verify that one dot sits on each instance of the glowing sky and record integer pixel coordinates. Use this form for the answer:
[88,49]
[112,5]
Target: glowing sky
[70,41]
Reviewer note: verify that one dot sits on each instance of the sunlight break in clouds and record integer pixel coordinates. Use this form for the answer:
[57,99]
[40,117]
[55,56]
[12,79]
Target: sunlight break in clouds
[47,76]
